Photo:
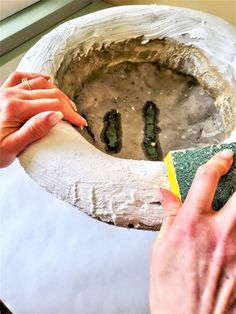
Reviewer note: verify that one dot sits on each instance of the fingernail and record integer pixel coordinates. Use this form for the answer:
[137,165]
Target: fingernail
[85,122]
[73,105]
[227,154]
[55,117]
[159,195]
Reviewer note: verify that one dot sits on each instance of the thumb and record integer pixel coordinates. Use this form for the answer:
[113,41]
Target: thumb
[34,129]
[170,205]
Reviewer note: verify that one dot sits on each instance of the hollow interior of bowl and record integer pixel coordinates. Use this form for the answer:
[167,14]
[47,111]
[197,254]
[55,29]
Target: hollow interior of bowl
[184,113]
[143,100]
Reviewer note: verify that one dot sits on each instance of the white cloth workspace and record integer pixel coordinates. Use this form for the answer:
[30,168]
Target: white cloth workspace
[55,259]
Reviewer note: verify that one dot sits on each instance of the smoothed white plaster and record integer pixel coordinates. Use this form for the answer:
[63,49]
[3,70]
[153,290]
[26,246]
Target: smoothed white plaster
[111,189]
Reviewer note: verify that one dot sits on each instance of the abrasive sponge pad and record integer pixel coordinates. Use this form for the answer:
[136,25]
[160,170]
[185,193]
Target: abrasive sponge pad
[182,165]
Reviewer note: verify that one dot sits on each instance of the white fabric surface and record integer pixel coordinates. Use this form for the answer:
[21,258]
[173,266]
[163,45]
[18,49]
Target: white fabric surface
[55,259]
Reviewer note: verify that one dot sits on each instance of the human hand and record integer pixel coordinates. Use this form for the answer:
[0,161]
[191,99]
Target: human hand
[193,262]
[29,110]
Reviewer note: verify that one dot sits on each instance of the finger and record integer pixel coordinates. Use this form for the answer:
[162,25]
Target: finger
[41,83]
[52,92]
[230,206]
[24,94]
[35,83]
[16,77]
[170,205]
[229,213]
[202,190]
[225,295]
[30,108]
[34,129]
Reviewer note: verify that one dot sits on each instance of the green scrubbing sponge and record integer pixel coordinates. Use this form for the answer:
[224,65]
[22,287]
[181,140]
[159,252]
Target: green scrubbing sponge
[182,165]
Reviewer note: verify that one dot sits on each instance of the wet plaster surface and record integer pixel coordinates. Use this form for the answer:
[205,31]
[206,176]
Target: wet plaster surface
[187,114]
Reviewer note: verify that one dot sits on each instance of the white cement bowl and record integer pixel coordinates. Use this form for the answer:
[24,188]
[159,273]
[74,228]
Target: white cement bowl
[114,190]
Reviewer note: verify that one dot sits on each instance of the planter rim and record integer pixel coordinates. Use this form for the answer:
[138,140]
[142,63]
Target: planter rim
[65,164]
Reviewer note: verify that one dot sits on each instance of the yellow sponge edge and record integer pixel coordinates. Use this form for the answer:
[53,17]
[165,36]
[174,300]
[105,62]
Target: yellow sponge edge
[172,175]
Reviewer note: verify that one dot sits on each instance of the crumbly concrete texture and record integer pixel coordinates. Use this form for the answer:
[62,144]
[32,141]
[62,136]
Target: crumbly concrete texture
[188,116]
[120,191]
[185,59]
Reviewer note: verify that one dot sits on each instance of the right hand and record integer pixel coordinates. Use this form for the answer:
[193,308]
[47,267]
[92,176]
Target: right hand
[193,263]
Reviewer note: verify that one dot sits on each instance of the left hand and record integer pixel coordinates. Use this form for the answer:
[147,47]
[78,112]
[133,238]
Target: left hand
[29,110]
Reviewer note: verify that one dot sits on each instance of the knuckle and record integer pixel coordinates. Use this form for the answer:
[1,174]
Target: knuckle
[207,170]
[38,83]
[16,75]
[36,131]
[56,91]
[5,93]
[187,230]
[5,148]
[61,95]
[10,105]
[41,80]
[190,230]
[170,211]
[58,104]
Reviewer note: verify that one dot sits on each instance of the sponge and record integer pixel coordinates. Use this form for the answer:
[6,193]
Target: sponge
[182,165]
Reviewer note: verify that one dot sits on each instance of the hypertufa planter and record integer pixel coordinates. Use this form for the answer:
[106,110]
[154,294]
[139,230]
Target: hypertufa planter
[119,190]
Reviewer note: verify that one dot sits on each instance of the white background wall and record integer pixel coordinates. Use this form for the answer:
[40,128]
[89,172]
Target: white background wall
[9,7]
